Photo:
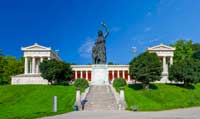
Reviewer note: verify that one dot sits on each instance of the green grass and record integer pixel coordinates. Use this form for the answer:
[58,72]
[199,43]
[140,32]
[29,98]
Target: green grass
[162,97]
[31,101]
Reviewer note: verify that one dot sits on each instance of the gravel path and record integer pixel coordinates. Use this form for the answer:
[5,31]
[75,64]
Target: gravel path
[188,113]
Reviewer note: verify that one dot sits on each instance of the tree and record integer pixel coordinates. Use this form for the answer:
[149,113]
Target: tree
[146,68]
[186,71]
[55,71]
[196,50]
[183,50]
[1,67]
[110,63]
[10,66]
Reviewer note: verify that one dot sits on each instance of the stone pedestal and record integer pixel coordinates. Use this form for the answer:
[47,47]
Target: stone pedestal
[100,74]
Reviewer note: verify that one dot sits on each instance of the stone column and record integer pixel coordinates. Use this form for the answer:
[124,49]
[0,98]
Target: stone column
[26,65]
[75,74]
[123,74]
[164,64]
[30,68]
[86,74]
[129,78]
[41,59]
[171,60]
[113,76]
[33,65]
[81,73]
[117,73]
[37,65]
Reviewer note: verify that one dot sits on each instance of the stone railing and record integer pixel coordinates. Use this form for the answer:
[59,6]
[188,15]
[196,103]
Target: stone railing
[120,98]
[81,96]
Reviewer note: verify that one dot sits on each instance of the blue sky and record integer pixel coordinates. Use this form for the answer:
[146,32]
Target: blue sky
[71,25]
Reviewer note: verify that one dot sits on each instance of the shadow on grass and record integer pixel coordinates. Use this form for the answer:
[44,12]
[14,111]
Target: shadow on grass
[40,112]
[190,87]
[140,86]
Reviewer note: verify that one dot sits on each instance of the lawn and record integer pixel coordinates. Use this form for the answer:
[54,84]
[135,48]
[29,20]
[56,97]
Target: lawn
[31,101]
[162,97]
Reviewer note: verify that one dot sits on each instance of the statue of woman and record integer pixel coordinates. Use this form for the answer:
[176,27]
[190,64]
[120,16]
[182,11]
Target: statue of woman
[99,50]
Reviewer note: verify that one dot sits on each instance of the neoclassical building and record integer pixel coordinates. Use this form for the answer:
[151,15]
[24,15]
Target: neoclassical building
[166,54]
[95,74]
[33,55]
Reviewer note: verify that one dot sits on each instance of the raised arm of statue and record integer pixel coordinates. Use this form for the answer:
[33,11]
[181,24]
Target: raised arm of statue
[107,30]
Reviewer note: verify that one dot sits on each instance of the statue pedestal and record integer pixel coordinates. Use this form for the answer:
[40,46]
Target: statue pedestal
[100,74]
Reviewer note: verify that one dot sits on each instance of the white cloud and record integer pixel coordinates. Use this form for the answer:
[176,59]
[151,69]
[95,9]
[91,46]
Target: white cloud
[85,49]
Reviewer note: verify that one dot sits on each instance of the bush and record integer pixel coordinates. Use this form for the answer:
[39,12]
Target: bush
[119,82]
[81,83]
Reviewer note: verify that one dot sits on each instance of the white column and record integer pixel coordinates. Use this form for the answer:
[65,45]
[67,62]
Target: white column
[37,65]
[26,65]
[171,60]
[164,64]
[129,78]
[49,58]
[30,63]
[113,76]
[81,74]
[41,59]
[33,65]
[123,74]
[118,74]
[86,74]
[75,74]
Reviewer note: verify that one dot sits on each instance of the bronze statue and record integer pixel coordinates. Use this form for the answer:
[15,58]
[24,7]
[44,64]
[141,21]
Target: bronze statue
[99,50]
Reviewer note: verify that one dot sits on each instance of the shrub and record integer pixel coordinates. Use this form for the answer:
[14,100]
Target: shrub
[119,82]
[81,83]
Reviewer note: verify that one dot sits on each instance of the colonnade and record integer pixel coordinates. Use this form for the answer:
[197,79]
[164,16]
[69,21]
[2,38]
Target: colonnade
[118,74]
[31,64]
[113,74]
[81,73]
[164,61]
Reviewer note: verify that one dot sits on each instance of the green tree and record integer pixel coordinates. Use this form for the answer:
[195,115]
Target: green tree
[186,71]
[146,68]
[196,50]
[10,66]
[183,50]
[55,71]
[110,63]
[1,67]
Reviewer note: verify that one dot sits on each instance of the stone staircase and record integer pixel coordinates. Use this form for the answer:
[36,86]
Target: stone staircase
[100,98]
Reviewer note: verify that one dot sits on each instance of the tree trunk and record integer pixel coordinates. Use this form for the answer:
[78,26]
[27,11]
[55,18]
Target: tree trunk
[145,85]
[185,84]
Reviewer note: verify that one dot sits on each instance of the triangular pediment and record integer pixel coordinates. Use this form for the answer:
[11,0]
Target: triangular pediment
[36,47]
[161,47]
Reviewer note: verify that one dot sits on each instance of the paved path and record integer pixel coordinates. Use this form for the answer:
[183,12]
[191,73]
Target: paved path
[189,113]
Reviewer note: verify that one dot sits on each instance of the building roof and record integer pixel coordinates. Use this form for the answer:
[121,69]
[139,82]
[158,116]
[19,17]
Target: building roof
[36,47]
[161,47]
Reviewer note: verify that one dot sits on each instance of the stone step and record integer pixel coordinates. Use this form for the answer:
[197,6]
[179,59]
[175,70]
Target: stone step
[100,98]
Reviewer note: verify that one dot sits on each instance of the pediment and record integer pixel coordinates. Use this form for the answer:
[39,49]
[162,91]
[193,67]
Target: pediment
[35,47]
[161,47]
